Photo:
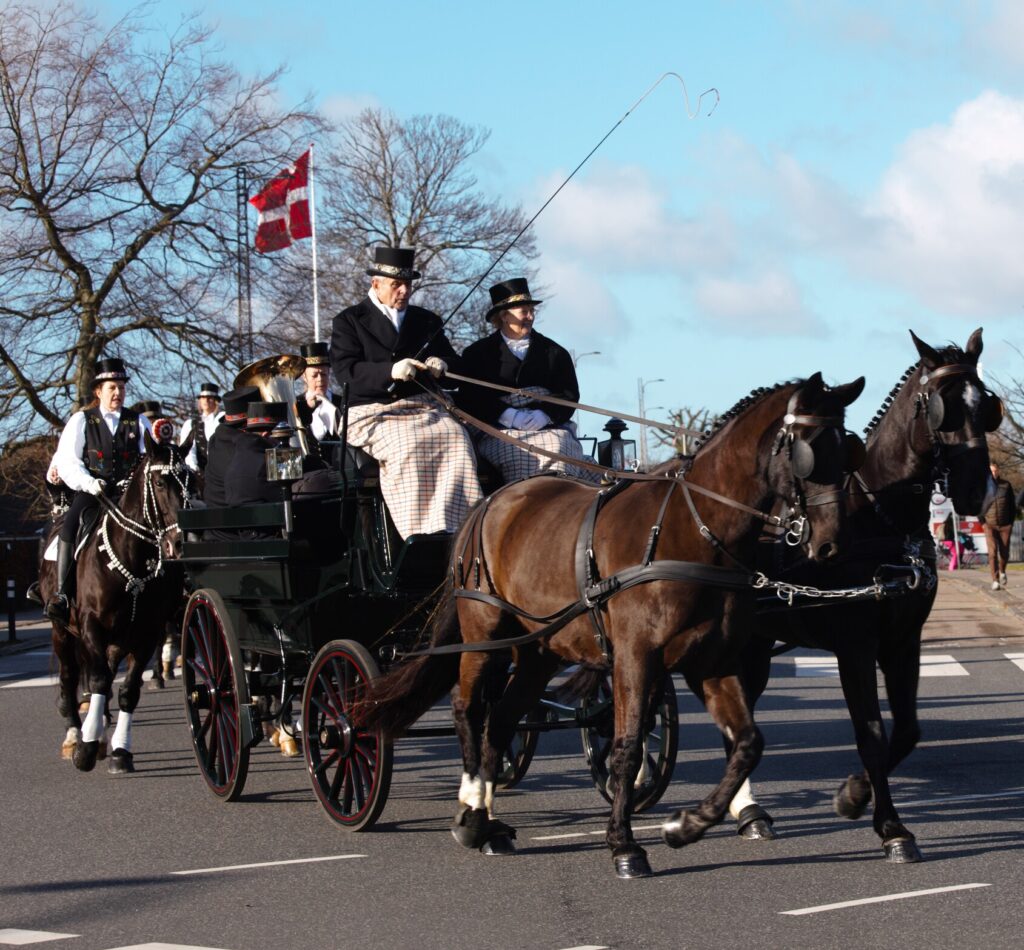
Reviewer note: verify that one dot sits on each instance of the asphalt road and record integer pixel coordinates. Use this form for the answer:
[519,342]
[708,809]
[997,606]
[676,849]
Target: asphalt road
[152,859]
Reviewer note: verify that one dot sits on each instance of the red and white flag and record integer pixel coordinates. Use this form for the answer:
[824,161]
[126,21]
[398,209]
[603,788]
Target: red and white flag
[283,207]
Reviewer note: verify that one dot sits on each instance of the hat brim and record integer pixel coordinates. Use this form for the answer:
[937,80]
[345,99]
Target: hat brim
[110,377]
[396,273]
[509,304]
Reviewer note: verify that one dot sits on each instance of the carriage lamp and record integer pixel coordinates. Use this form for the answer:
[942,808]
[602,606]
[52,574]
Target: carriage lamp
[616,452]
[284,463]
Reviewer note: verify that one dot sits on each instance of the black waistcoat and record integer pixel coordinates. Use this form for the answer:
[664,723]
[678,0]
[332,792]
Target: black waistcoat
[200,441]
[106,456]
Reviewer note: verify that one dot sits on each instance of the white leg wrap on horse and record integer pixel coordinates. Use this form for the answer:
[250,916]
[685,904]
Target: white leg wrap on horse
[472,794]
[489,798]
[123,733]
[744,796]
[73,735]
[167,653]
[92,728]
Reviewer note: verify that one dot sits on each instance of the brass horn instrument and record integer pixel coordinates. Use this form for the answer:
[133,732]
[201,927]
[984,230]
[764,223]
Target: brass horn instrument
[274,377]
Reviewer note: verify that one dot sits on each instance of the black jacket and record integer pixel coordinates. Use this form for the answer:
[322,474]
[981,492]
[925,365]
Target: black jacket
[246,477]
[364,347]
[220,452]
[547,364]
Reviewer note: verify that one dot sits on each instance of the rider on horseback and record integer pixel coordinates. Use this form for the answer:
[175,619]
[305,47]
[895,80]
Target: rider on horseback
[98,448]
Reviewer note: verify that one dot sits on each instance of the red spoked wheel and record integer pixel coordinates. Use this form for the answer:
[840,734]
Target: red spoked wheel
[349,767]
[216,695]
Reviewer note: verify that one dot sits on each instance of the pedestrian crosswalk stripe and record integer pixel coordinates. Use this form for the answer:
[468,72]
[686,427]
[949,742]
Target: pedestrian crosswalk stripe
[1017,659]
[12,937]
[932,664]
[50,679]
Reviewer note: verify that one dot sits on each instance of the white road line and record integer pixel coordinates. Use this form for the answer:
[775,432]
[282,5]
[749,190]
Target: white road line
[13,937]
[1012,793]
[587,834]
[1017,659]
[270,864]
[589,946]
[939,664]
[880,900]
[48,680]
[163,946]
[816,665]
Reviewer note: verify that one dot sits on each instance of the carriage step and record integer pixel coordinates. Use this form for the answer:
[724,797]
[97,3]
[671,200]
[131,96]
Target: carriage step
[250,726]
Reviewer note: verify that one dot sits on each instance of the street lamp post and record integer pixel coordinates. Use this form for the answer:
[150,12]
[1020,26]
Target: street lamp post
[576,359]
[641,386]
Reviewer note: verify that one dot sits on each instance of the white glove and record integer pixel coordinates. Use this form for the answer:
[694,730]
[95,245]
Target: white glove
[96,486]
[437,366]
[53,476]
[532,419]
[404,370]
[507,420]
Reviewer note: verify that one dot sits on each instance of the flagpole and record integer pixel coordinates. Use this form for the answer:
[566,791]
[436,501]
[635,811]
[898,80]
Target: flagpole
[312,227]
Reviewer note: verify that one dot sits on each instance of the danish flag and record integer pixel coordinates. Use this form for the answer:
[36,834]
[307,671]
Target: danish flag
[283,208]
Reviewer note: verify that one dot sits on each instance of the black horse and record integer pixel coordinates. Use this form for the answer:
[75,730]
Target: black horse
[931,429]
[125,592]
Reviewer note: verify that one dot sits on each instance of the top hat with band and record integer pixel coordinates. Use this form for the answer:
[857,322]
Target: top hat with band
[263,416]
[236,404]
[510,293]
[315,354]
[209,389]
[112,368]
[394,262]
[149,408]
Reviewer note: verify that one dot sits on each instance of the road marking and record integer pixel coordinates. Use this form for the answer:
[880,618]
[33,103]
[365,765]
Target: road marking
[939,664]
[19,938]
[589,946]
[816,665]
[1013,793]
[50,679]
[163,946]
[587,834]
[880,900]
[1017,659]
[270,864]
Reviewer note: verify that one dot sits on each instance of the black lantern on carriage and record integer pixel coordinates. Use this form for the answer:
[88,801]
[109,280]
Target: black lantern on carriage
[616,452]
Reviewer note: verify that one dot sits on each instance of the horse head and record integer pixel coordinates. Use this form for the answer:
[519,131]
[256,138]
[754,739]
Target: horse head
[811,456]
[953,412]
[166,485]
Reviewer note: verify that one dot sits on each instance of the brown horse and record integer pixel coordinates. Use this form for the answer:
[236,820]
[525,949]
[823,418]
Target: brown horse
[125,592]
[537,545]
[930,430]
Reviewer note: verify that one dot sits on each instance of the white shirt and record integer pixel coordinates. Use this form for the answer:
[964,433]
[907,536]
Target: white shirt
[395,316]
[71,446]
[519,348]
[210,423]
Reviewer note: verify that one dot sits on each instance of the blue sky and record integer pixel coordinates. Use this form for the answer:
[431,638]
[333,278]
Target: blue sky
[862,175]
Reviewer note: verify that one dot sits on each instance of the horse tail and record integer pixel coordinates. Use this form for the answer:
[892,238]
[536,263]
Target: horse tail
[396,700]
[583,683]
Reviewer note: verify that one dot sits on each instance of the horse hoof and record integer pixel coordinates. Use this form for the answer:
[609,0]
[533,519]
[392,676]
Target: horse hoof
[629,866]
[902,851]
[755,824]
[84,755]
[121,762]
[275,738]
[853,797]
[67,749]
[288,746]
[498,845]
[682,828]
[155,683]
[470,827]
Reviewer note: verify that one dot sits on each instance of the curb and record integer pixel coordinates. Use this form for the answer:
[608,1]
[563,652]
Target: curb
[999,598]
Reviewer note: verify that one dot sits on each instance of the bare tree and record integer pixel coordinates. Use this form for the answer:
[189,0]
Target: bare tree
[117,163]
[696,419]
[410,184]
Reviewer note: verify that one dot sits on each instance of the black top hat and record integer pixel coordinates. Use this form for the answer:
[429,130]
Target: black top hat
[148,408]
[236,404]
[394,262]
[315,354]
[263,416]
[510,293]
[112,368]
[209,389]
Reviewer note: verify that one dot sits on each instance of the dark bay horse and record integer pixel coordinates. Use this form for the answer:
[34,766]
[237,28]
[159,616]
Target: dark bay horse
[931,429]
[125,593]
[548,542]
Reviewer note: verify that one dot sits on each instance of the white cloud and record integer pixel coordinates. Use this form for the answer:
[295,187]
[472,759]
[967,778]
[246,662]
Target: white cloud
[770,302]
[339,108]
[998,35]
[579,311]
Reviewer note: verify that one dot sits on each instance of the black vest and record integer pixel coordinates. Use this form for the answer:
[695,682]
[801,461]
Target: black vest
[200,441]
[111,457]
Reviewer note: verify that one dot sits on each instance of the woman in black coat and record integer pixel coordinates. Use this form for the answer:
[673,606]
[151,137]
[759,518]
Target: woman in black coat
[516,355]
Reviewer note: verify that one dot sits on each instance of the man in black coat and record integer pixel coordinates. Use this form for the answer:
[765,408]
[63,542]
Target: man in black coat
[223,441]
[246,478]
[389,352]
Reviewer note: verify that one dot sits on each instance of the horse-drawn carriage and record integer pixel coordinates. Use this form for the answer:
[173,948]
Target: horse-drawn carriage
[295,608]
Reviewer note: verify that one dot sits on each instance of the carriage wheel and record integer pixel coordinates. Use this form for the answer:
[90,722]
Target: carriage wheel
[350,768]
[216,694]
[660,744]
[519,754]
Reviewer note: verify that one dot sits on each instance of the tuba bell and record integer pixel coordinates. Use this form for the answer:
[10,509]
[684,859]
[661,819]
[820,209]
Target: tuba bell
[274,377]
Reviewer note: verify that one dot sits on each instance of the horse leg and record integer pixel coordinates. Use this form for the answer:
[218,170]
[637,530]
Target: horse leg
[727,705]
[902,670]
[860,687]
[631,688]
[753,822]
[65,649]
[121,761]
[87,750]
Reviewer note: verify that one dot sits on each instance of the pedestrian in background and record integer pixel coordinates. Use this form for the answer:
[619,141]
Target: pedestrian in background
[998,524]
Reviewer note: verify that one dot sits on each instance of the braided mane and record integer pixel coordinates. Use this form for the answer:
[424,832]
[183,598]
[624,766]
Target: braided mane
[948,354]
[754,396]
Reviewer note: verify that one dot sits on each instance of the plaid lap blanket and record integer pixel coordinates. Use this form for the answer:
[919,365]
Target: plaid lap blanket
[427,467]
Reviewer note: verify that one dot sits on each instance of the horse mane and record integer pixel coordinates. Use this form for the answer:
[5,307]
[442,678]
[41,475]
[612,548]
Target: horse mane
[948,354]
[741,406]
